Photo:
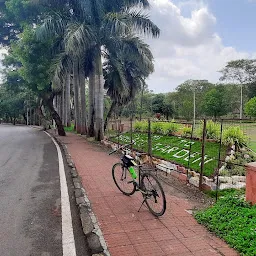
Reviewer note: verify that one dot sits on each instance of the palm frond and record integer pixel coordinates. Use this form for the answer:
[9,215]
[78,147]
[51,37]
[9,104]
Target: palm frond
[141,22]
[52,26]
[127,21]
[79,38]
[118,5]
[60,65]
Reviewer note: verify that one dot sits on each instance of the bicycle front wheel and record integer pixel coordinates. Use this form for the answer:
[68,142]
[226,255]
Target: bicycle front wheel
[123,179]
[153,194]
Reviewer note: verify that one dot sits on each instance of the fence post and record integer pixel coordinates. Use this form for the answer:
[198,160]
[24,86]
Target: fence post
[131,132]
[219,160]
[190,148]
[202,159]
[118,131]
[149,139]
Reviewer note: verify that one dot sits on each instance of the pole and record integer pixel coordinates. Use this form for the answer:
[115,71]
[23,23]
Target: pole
[202,159]
[241,103]
[149,139]
[194,120]
[219,161]
[131,132]
[27,113]
[30,110]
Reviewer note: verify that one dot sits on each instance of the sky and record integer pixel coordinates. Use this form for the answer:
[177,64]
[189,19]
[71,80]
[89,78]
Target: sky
[198,37]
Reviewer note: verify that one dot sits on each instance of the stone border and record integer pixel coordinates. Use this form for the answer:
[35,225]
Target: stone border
[91,229]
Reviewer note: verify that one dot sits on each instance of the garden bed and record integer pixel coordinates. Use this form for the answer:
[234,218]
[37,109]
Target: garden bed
[176,149]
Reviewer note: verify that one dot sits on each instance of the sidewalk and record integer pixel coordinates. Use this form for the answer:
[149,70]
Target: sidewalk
[131,233]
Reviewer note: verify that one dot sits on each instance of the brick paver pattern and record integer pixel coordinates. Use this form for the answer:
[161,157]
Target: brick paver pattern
[128,232]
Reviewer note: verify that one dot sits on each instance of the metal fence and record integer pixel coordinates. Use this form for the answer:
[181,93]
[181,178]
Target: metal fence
[202,147]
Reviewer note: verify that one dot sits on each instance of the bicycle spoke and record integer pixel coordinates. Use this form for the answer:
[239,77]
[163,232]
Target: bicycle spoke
[155,198]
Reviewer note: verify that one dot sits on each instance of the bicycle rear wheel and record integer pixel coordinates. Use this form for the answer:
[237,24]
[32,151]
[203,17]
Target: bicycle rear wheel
[123,179]
[154,194]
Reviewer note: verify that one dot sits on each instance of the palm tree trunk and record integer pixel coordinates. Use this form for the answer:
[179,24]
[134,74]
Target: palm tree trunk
[76,96]
[68,113]
[112,107]
[91,118]
[99,98]
[83,102]
[64,113]
[48,102]
[59,105]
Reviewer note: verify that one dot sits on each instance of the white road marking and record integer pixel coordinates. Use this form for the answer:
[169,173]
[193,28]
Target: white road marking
[68,241]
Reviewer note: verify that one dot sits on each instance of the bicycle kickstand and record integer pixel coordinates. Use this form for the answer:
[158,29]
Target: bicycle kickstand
[144,200]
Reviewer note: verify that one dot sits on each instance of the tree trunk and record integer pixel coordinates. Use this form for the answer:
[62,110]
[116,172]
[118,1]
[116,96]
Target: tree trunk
[83,101]
[112,107]
[49,104]
[76,96]
[68,113]
[91,118]
[99,98]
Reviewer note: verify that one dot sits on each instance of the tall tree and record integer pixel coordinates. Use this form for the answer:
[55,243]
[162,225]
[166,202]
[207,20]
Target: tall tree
[242,71]
[215,102]
[35,70]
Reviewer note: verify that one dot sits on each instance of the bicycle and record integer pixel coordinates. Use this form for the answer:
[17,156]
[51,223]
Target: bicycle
[128,182]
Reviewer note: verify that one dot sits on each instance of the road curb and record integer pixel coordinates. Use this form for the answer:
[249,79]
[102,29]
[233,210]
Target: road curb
[91,229]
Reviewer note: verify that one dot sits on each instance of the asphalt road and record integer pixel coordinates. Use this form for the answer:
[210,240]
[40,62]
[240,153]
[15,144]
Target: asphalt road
[30,211]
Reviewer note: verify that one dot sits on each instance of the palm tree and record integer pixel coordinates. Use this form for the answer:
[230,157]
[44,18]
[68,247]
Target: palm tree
[125,71]
[94,26]
[103,22]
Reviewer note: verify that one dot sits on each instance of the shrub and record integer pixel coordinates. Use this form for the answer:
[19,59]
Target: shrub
[169,128]
[234,220]
[186,131]
[140,126]
[212,130]
[156,127]
[234,135]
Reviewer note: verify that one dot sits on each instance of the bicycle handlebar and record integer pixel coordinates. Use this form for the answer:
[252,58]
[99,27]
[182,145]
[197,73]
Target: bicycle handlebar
[124,146]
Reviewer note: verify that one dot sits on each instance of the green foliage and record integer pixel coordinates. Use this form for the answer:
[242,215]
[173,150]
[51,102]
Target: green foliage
[141,126]
[165,128]
[215,102]
[234,220]
[169,128]
[12,104]
[234,135]
[250,107]
[186,131]
[36,58]
[156,127]
[70,128]
[236,165]
[212,130]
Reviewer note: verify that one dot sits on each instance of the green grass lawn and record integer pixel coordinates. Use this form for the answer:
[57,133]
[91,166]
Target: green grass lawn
[176,149]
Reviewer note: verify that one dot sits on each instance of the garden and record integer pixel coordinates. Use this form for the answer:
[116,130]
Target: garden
[181,144]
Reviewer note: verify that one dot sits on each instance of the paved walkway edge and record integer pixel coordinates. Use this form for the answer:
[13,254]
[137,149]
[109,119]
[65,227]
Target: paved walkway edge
[91,229]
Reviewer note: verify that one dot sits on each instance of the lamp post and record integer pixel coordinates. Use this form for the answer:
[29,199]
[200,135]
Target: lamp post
[241,102]
[194,84]
[194,119]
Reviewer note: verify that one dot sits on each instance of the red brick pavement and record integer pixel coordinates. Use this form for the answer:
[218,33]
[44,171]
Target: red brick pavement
[132,233]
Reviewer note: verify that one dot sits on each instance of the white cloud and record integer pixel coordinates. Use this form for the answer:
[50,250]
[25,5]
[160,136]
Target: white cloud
[189,47]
